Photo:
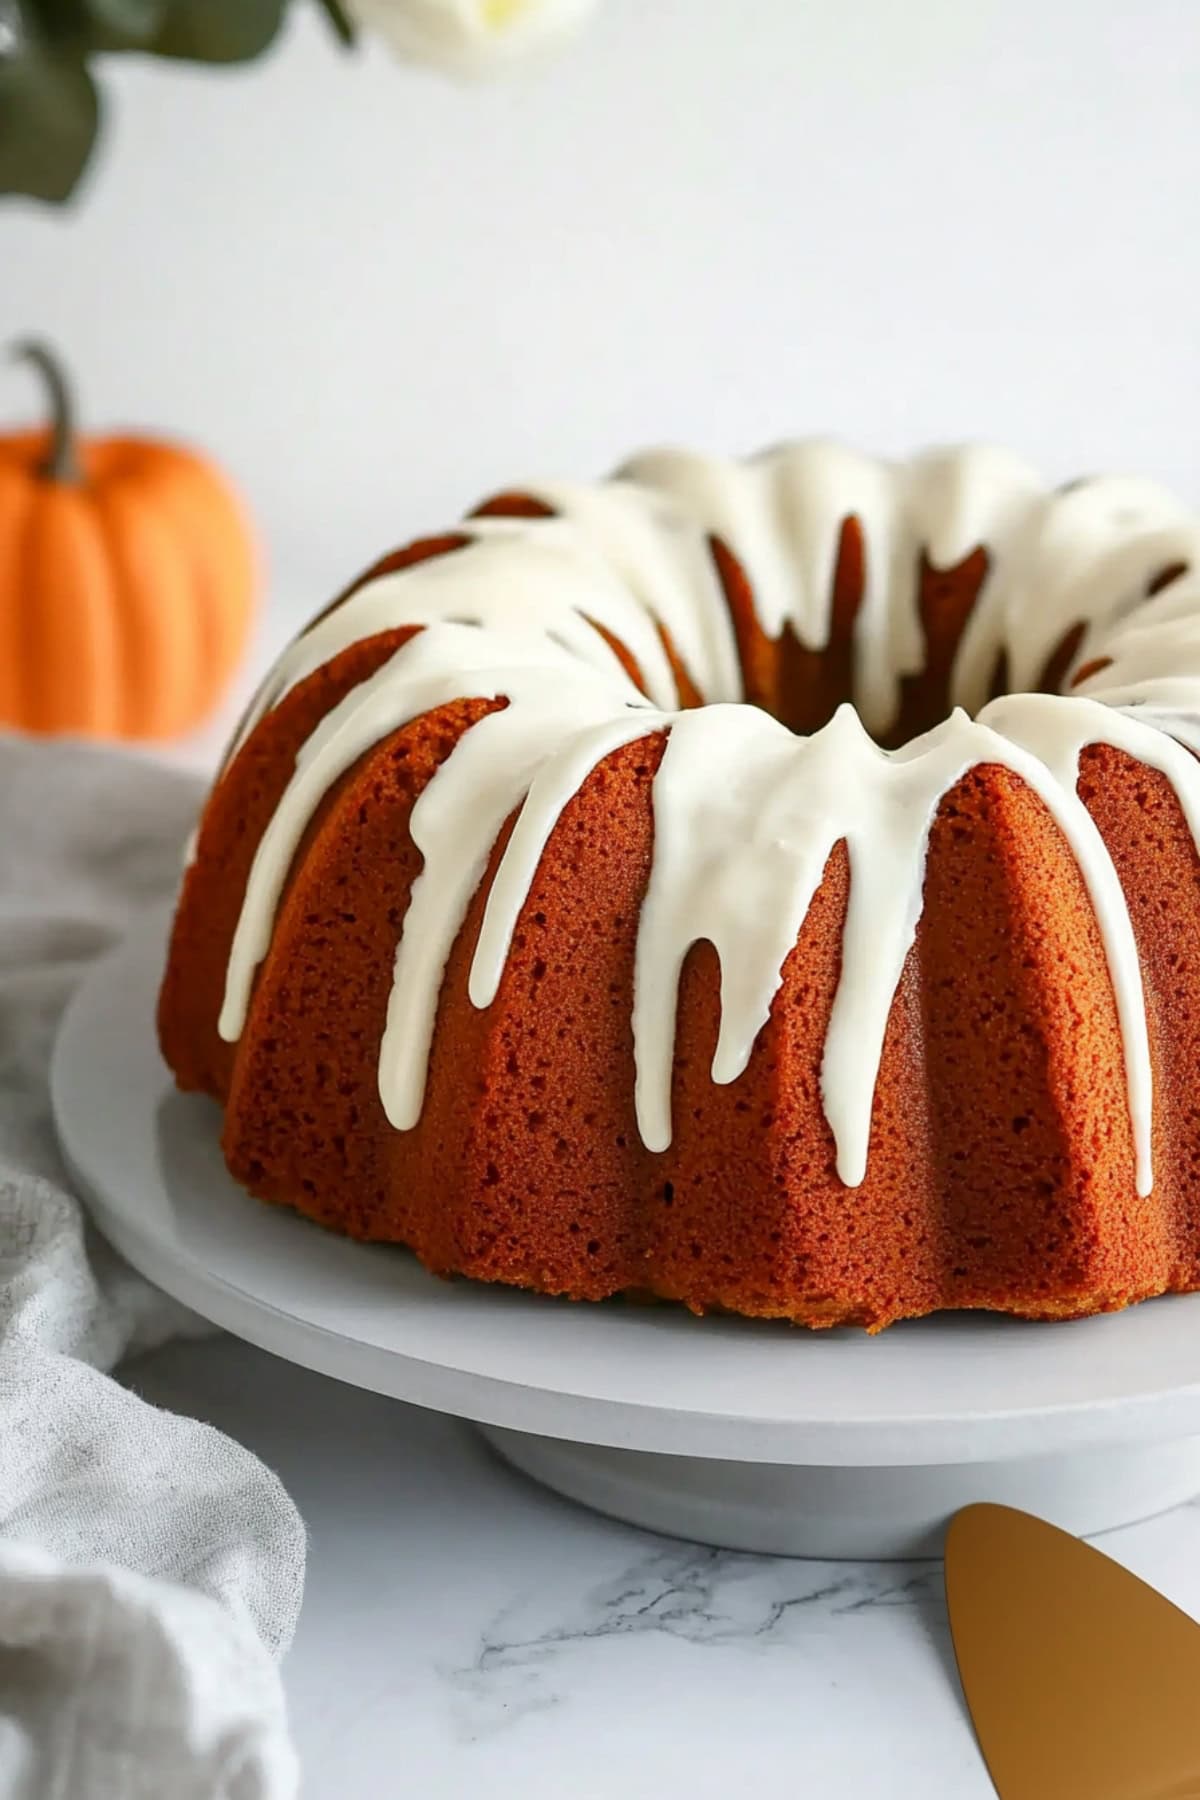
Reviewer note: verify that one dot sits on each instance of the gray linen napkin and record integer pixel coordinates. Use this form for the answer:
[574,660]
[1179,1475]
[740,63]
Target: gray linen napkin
[150,1569]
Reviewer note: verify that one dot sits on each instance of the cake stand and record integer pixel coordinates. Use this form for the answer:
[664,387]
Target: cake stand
[751,1435]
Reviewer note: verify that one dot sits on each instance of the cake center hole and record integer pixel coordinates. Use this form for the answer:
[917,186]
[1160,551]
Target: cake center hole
[803,688]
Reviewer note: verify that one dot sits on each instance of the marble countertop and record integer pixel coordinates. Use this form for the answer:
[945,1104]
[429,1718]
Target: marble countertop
[466,1633]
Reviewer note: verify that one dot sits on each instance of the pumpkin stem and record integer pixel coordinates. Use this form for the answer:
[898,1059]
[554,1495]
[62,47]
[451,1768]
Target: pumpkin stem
[61,462]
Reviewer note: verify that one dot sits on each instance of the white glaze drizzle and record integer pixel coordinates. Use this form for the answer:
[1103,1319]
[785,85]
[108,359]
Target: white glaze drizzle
[443,663]
[782,515]
[662,555]
[746,814]
[536,575]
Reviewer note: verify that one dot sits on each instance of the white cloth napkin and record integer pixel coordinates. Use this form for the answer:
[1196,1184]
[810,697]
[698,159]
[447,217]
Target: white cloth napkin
[150,1569]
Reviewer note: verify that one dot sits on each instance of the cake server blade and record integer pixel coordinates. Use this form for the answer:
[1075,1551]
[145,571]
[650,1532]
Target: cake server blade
[1082,1682]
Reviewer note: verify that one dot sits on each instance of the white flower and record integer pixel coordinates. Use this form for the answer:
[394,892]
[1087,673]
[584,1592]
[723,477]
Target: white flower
[469,37]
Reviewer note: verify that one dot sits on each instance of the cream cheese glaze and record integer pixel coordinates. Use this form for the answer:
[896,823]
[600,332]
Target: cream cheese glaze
[746,813]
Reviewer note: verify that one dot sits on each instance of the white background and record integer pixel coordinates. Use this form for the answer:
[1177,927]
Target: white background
[377,295]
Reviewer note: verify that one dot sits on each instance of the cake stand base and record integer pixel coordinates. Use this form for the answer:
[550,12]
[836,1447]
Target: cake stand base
[852,1513]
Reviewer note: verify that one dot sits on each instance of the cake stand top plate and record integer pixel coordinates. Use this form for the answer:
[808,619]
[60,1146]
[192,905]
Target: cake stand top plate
[960,1388]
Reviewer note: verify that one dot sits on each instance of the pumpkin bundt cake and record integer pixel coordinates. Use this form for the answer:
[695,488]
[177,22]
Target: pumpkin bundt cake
[771,886]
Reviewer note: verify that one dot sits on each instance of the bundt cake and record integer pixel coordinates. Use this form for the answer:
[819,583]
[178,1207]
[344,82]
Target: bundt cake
[767,885]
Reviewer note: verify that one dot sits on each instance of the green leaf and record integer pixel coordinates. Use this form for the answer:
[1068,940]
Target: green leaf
[49,111]
[339,20]
[123,24]
[51,23]
[217,30]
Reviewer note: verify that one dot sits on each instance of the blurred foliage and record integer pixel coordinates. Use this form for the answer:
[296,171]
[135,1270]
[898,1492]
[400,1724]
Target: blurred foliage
[49,104]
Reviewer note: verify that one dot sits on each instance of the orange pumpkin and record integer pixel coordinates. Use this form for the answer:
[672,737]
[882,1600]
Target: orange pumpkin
[127,579]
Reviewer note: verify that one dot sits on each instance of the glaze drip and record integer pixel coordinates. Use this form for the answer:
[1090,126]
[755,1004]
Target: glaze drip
[746,815]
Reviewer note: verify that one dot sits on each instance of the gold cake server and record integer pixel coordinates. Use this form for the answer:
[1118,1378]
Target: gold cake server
[1083,1683]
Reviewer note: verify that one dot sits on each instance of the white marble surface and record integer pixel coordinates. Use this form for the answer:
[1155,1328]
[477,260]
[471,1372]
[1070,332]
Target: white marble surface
[465,1633]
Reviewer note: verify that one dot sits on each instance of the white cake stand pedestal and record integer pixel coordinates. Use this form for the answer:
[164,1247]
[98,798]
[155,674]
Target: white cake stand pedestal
[733,1432]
